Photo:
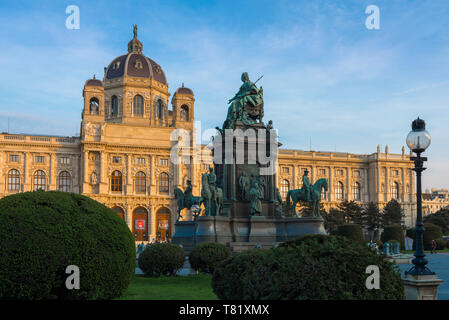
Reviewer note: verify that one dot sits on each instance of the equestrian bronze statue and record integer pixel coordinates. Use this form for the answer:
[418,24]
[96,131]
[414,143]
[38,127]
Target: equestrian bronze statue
[308,193]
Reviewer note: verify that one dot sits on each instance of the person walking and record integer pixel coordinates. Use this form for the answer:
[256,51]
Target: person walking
[433,246]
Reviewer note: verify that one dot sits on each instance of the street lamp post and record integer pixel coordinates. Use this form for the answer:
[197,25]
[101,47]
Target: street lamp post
[418,140]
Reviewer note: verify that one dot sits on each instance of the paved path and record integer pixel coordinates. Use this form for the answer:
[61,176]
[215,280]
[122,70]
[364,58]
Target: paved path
[438,263]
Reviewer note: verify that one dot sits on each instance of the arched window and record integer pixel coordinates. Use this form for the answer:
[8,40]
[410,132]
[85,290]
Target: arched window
[339,191]
[138,105]
[163,183]
[140,182]
[14,180]
[94,106]
[39,180]
[116,181]
[160,109]
[184,113]
[64,181]
[356,191]
[395,190]
[114,106]
[285,186]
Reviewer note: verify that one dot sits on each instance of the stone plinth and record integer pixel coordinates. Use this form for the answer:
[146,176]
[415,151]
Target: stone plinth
[184,234]
[295,227]
[421,287]
[245,233]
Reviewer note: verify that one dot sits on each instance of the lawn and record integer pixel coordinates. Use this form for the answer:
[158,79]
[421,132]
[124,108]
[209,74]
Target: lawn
[445,250]
[194,287]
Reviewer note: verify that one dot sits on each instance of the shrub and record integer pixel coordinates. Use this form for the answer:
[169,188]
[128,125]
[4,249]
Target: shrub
[205,257]
[44,232]
[441,244]
[431,232]
[311,267]
[393,232]
[230,279]
[161,259]
[351,231]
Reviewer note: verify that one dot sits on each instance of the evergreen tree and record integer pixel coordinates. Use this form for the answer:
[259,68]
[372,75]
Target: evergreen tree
[351,211]
[333,219]
[372,219]
[392,213]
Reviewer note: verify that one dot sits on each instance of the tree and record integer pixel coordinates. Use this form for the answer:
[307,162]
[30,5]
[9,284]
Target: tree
[352,211]
[372,220]
[392,213]
[333,219]
[439,218]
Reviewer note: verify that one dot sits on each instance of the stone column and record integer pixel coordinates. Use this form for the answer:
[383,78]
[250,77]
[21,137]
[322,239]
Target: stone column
[103,173]
[4,177]
[27,174]
[152,176]
[331,184]
[348,184]
[52,172]
[129,178]
[85,172]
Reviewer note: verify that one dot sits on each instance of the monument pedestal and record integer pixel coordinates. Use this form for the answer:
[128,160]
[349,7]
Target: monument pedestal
[244,233]
[423,287]
[184,234]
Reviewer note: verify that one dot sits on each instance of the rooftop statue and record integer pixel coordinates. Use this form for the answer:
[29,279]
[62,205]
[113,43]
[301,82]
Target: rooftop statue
[246,105]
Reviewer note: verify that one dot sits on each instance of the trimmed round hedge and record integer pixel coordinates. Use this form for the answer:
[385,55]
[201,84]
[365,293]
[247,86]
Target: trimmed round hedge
[316,267]
[161,259]
[393,232]
[44,232]
[351,231]
[205,257]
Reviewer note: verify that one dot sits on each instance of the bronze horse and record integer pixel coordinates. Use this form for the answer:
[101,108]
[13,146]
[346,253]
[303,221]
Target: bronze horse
[298,195]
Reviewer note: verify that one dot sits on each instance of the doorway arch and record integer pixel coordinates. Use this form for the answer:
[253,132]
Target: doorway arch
[163,224]
[140,224]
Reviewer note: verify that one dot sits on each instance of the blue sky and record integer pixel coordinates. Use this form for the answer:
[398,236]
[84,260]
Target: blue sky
[328,80]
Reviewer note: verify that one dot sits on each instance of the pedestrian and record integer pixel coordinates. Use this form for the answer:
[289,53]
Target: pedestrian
[434,246]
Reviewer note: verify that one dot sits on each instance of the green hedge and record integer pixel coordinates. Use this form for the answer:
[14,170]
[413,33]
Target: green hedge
[161,259]
[351,231]
[441,244]
[205,257]
[44,232]
[393,232]
[314,267]
[431,232]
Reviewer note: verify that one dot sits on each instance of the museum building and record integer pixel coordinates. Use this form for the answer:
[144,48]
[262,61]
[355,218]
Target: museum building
[122,157]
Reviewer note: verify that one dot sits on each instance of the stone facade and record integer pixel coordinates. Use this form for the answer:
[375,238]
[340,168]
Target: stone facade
[122,157]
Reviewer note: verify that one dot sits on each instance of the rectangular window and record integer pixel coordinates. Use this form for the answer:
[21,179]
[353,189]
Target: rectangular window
[116,159]
[40,159]
[140,160]
[285,170]
[164,162]
[64,160]
[322,171]
[339,172]
[205,166]
[14,158]
[356,173]
[395,173]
